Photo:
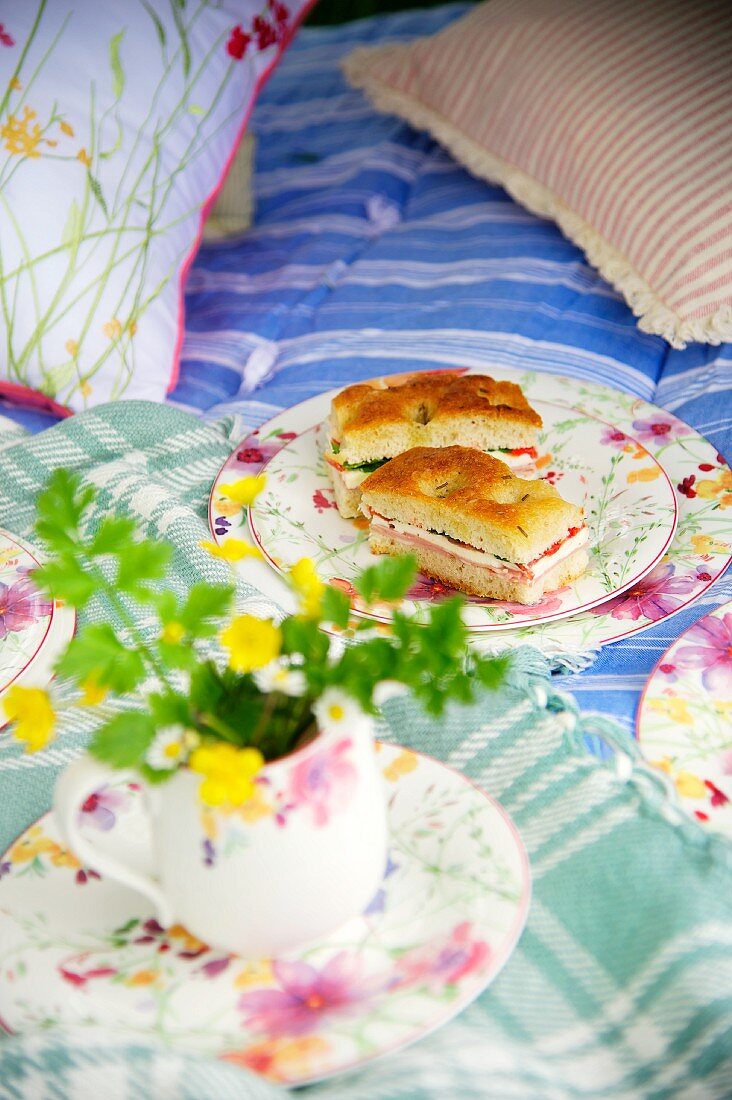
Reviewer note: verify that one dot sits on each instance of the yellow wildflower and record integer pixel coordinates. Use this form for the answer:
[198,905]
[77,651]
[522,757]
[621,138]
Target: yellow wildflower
[721,487]
[402,764]
[72,347]
[690,786]
[33,843]
[112,329]
[34,717]
[256,807]
[254,973]
[189,942]
[252,643]
[16,85]
[86,389]
[94,693]
[308,585]
[22,136]
[84,157]
[173,633]
[707,544]
[647,473]
[244,491]
[132,327]
[675,709]
[232,550]
[62,857]
[635,450]
[142,977]
[227,507]
[282,1059]
[228,773]
[66,129]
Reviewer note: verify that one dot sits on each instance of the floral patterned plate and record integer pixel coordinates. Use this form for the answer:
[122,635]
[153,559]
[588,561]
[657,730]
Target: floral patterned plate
[684,721]
[77,949]
[699,553]
[629,504]
[33,631]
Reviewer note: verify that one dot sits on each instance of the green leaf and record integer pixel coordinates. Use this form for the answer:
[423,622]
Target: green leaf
[65,579]
[336,606]
[305,637]
[97,653]
[113,533]
[118,76]
[107,153]
[177,655]
[140,562]
[56,378]
[71,234]
[159,28]
[155,775]
[491,671]
[123,741]
[169,709]
[205,604]
[97,192]
[183,33]
[389,579]
[60,508]
[206,687]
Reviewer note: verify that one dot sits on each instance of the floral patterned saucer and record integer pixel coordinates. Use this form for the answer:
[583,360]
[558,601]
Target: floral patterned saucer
[33,631]
[684,722]
[702,482]
[77,949]
[628,500]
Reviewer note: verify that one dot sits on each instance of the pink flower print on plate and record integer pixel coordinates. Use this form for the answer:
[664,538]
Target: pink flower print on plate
[254,453]
[654,597]
[711,651]
[446,961]
[306,995]
[550,602]
[20,606]
[613,437]
[660,429]
[102,807]
[321,502]
[323,782]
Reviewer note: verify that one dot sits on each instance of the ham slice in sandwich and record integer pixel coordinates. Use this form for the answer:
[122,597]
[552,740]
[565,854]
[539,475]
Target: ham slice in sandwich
[474,525]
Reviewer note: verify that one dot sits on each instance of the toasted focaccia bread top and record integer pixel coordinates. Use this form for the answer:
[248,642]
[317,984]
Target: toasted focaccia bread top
[472,498]
[438,410]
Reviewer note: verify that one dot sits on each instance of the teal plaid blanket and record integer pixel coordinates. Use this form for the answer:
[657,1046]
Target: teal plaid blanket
[621,986]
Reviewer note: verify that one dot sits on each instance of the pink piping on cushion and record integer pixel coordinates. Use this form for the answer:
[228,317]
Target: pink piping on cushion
[24,395]
[205,209]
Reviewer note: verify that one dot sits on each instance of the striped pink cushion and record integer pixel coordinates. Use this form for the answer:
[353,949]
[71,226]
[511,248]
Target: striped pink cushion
[613,117]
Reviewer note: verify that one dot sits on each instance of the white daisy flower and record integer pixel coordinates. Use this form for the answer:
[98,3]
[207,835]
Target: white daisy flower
[171,747]
[336,712]
[278,675]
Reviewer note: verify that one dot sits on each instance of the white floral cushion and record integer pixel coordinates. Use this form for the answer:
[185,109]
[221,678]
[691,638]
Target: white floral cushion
[117,124]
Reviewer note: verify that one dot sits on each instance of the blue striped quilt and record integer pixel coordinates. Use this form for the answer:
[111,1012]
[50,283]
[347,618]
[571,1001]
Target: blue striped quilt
[374,252]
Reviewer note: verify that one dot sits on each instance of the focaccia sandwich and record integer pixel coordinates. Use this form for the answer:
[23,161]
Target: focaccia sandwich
[474,525]
[369,425]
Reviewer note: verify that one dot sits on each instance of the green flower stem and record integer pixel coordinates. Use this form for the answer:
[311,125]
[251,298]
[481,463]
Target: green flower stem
[43,325]
[26,253]
[23,54]
[112,595]
[220,727]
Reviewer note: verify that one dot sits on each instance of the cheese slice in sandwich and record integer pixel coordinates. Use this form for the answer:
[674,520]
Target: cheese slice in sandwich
[474,525]
[371,424]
